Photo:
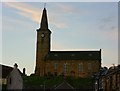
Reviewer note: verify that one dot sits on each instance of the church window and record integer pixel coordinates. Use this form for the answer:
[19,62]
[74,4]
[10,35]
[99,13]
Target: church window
[80,67]
[89,66]
[55,66]
[65,67]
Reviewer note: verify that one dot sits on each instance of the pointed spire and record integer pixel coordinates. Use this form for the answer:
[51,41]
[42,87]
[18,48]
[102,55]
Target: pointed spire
[44,22]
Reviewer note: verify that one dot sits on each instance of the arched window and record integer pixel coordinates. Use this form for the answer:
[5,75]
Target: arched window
[55,66]
[80,67]
[65,67]
[89,66]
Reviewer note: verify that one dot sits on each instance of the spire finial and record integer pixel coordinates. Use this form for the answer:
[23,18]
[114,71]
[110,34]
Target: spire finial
[44,5]
[44,22]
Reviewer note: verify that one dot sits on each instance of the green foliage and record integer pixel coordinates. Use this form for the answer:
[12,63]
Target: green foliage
[33,80]
[53,81]
[79,82]
[37,81]
[56,80]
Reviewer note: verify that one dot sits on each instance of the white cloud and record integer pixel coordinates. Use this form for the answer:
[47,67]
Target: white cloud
[34,14]
[25,10]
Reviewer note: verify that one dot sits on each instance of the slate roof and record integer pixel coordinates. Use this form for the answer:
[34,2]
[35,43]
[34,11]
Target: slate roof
[64,86]
[6,70]
[73,55]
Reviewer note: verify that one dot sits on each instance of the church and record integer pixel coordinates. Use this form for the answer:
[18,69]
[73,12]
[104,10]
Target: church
[67,63]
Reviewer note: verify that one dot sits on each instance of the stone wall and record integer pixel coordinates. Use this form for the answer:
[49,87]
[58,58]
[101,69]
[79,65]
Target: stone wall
[72,68]
[111,81]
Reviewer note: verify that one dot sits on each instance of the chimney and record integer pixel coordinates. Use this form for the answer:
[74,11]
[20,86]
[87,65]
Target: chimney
[23,71]
[15,66]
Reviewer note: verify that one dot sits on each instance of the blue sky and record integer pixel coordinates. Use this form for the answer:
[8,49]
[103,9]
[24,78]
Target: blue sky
[75,26]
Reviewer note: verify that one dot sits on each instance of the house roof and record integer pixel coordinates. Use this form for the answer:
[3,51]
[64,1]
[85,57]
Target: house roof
[73,55]
[6,70]
[64,85]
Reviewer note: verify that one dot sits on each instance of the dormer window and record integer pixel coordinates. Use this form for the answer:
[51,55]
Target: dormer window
[55,55]
[73,55]
[90,54]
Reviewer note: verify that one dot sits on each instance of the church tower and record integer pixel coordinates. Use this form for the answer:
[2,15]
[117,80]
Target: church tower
[43,44]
